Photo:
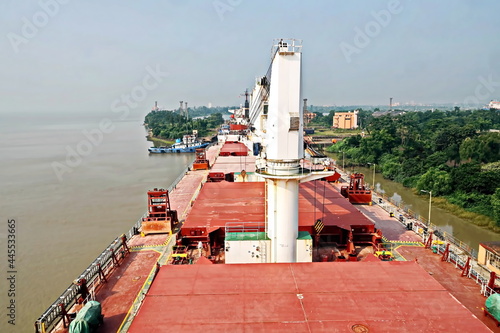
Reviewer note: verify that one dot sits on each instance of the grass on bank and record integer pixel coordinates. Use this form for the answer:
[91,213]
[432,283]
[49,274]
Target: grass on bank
[320,131]
[157,142]
[474,218]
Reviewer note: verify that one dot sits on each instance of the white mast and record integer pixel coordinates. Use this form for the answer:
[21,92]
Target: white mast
[284,149]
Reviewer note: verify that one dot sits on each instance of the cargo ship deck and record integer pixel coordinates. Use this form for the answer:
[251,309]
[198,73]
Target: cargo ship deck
[270,244]
[308,297]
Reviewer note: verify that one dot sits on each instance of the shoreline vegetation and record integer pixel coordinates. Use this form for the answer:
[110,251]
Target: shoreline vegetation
[479,220]
[158,142]
[443,203]
[164,127]
[455,154]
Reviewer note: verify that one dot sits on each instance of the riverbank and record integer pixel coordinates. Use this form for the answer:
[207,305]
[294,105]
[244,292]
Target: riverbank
[478,220]
[157,142]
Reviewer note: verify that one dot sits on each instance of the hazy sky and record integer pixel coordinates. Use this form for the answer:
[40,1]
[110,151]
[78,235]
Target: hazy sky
[71,55]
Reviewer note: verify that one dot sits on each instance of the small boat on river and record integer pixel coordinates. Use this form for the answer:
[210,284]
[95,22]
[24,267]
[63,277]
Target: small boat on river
[188,144]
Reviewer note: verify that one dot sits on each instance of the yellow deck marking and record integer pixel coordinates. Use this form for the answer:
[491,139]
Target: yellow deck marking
[148,281]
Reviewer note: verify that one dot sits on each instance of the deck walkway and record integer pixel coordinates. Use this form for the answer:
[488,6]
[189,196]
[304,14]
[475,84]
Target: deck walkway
[409,247]
[465,290]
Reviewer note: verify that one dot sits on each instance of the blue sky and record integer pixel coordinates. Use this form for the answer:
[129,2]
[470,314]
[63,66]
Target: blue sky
[83,56]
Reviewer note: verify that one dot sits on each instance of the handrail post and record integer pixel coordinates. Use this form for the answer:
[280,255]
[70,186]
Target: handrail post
[101,273]
[113,257]
[124,244]
[64,315]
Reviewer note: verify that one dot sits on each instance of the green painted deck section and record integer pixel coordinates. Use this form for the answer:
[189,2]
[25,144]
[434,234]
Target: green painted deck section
[304,235]
[244,236]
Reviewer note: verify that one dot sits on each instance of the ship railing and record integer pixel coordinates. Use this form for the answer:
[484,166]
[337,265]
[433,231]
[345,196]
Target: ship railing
[481,276]
[305,166]
[459,258]
[458,243]
[459,251]
[172,186]
[245,227]
[487,291]
[421,225]
[286,45]
[100,268]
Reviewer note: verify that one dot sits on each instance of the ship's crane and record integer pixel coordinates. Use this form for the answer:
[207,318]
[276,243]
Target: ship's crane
[284,149]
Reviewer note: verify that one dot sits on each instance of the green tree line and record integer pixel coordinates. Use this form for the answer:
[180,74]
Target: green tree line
[172,125]
[203,111]
[455,154]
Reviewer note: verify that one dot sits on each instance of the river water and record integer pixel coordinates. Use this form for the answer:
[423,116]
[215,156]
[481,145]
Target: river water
[63,223]
[461,229]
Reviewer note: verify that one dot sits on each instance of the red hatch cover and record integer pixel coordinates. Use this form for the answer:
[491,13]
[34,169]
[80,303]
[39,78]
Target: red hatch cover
[301,297]
[222,202]
[233,149]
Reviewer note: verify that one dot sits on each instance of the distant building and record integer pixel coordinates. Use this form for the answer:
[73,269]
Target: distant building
[494,105]
[308,117]
[489,255]
[346,120]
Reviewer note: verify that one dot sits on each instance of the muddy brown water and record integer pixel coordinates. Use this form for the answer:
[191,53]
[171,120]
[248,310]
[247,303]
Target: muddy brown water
[63,224]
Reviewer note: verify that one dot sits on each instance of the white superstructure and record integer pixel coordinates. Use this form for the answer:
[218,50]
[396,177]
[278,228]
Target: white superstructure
[282,147]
